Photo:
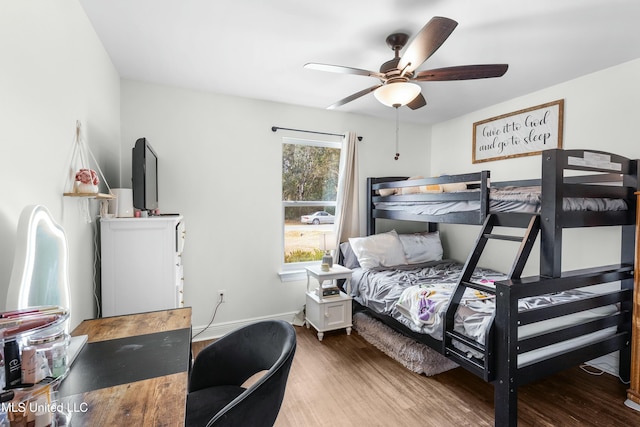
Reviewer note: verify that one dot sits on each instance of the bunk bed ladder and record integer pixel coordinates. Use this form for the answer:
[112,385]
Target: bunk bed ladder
[531,223]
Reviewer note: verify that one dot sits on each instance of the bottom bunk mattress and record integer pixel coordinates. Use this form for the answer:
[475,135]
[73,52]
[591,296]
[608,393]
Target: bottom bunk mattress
[417,296]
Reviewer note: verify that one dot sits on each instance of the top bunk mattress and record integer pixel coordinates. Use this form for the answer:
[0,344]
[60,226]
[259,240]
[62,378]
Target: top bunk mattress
[504,199]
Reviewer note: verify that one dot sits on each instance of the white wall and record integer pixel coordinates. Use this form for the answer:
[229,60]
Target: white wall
[54,71]
[600,113]
[220,166]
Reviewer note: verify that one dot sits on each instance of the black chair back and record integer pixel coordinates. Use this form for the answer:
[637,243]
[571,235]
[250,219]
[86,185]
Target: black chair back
[231,360]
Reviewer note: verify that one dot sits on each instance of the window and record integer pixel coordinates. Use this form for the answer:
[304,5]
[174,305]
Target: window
[310,172]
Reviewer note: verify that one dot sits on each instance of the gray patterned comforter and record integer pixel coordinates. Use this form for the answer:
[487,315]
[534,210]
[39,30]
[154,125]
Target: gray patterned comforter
[417,296]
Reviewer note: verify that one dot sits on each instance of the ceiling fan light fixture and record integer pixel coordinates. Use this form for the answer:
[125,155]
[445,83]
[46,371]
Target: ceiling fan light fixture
[397,94]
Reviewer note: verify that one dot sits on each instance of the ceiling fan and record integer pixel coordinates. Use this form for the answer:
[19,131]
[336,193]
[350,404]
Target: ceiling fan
[397,76]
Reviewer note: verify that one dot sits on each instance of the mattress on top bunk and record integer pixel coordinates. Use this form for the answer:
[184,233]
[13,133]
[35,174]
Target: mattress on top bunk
[417,297]
[505,199]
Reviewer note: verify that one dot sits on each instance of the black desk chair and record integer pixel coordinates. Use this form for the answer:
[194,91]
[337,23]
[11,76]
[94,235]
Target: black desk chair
[216,397]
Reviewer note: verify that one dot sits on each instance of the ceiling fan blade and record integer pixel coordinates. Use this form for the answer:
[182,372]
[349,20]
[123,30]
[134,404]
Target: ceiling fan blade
[462,72]
[418,102]
[353,97]
[426,42]
[344,70]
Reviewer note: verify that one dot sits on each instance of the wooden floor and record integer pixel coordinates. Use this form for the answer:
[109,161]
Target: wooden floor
[345,381]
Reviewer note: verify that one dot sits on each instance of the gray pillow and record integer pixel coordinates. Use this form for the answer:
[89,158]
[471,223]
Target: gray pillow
[349,258]
[421,247]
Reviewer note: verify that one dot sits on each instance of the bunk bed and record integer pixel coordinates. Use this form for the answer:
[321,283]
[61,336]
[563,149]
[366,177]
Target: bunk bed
[577,188]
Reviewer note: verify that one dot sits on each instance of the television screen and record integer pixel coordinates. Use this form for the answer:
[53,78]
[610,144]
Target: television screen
[144,176]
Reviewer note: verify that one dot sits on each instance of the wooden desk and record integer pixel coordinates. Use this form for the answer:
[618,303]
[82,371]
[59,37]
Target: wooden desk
[153,401]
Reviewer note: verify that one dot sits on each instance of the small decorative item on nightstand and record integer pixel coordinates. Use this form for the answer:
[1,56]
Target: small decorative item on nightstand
[328,291]
[327,244]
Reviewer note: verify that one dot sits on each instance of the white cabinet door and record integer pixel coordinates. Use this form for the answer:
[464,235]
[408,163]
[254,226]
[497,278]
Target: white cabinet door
[141,265]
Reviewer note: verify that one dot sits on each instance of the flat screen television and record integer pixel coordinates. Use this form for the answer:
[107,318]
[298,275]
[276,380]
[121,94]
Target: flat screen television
[144,176]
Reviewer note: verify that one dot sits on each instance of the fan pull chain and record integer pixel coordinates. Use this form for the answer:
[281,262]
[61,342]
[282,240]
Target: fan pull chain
[397,133]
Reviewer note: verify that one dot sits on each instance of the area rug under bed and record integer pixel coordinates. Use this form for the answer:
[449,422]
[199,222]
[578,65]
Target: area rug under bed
[411,354]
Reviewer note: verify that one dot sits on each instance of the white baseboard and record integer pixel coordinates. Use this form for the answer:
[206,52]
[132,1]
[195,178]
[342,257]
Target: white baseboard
[217,330]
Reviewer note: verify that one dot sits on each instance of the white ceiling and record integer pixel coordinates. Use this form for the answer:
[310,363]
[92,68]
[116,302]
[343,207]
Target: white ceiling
[257,49]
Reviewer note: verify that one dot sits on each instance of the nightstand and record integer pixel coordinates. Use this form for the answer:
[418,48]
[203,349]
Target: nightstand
[330,312]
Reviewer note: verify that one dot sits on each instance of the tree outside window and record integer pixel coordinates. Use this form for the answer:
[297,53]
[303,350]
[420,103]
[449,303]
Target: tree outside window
[310,171]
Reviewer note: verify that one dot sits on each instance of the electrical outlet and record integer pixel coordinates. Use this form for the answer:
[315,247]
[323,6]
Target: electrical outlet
[221,294]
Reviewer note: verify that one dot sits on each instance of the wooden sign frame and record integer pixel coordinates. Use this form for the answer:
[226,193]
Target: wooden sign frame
[521,133]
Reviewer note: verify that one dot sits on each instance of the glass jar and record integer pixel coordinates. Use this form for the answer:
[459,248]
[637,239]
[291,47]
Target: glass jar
[54,348]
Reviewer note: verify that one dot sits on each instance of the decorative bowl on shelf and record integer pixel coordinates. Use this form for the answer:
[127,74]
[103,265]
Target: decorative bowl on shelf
[85,188]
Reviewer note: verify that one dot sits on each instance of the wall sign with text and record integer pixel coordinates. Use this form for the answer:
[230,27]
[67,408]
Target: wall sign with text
[521,133]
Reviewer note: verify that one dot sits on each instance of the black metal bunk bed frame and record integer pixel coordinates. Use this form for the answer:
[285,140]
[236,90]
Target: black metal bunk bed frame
[619,179]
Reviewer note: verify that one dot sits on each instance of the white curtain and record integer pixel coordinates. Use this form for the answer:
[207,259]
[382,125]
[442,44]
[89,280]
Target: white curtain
[347,209]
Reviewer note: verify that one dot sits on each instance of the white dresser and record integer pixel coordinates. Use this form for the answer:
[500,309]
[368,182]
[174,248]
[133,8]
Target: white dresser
[141,264]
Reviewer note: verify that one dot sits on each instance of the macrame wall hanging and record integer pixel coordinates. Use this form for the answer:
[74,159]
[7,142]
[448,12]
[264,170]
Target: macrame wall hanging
[84,175]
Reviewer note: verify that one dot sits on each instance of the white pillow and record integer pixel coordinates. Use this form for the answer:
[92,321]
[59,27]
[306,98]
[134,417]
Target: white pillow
[454,186]
[421,247]
[378,250]
[384,192]
[411,190]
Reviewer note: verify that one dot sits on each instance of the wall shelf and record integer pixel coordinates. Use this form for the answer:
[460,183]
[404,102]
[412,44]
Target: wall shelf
[98,196]
[83,159]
